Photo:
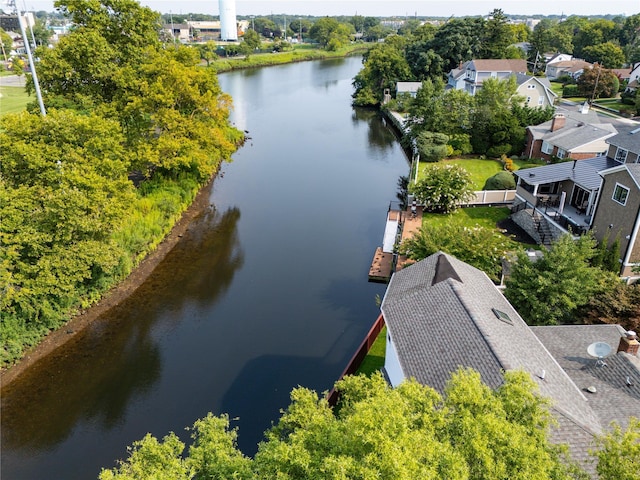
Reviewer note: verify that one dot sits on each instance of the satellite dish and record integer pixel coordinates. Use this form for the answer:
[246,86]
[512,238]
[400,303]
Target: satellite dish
[599,350]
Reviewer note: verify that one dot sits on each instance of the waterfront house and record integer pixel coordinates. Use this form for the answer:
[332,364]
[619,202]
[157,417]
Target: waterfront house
[600,194]
[477,71]
[443,314]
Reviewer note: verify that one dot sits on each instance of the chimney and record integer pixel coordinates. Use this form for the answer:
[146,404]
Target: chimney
[629,343]
[558,122]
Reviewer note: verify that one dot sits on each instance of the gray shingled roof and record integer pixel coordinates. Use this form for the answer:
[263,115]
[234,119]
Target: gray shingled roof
[523,78]
[625,139]
[582,172]
[572,119]
[438,328]
[570,138]
[614,399]
[634,171]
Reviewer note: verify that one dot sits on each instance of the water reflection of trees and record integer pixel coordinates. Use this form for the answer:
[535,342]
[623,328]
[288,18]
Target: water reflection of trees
[380,135]
[95,376]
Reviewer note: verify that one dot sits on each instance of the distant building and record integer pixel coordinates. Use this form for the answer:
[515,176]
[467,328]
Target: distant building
[228,24]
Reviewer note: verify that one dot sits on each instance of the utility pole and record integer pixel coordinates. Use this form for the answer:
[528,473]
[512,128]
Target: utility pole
[32,64]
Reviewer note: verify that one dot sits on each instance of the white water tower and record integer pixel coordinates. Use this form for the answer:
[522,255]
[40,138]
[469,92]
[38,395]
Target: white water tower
[228,26]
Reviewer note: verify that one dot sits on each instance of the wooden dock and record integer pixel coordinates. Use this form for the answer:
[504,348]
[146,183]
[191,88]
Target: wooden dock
[384,263]
[381,266]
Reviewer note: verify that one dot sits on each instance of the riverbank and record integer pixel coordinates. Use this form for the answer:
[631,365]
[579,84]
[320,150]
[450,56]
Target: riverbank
[121,291]
[300,54]
[112,298]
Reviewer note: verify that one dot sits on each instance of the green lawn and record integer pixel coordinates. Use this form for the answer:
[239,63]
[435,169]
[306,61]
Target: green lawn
[556,87]
[374,360]
[13,99]
[469,217]
[614,103]
[480,170]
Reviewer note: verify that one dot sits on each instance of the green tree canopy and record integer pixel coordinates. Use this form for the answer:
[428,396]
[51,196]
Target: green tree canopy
[405,433]
[330,33]
[64,191]
[442,187]
[607,54]
[384,66]
[497,36]
[619,452]
[598,82]
[552,289]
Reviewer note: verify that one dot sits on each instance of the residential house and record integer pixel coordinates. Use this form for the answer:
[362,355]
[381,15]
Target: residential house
[600,194]
[455,78]
[576,135]
[625,146]
[573,68]
[410,88]
[477,71]
[557,57]
[617,214]
[560,198]
[634,78]
[443,314]
[535,90]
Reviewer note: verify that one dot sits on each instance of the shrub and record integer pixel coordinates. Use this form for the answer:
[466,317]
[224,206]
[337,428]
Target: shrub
[500,181]
[570,91]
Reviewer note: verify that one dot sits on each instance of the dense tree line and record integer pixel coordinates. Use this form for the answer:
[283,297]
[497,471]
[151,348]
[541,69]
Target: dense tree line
[471,432]
[429,52]
[119,102]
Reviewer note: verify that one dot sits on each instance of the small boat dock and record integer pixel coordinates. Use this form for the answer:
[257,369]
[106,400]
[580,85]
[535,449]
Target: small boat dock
[400,225]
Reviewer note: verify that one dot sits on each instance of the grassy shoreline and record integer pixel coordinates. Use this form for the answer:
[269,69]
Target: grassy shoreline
[299,54]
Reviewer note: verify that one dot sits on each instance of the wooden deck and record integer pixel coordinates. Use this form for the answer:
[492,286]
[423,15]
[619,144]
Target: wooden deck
[383,265]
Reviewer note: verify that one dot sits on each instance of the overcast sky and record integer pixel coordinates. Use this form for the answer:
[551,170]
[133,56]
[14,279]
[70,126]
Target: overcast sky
[379,8]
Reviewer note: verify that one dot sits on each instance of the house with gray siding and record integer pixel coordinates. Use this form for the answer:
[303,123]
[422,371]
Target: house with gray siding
[443,314]
[617,215]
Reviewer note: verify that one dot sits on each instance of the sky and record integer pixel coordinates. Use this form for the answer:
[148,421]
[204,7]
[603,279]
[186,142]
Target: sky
[381,8]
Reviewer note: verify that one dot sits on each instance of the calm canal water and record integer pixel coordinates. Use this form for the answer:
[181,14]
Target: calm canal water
[268,290]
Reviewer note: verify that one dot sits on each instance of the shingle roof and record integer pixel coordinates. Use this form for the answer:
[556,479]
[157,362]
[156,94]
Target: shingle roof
[634,171]
[570,138]
[582,172]
[523,78]
[438,328]
[614,399]
[572,119]
[626,139]
[500,65]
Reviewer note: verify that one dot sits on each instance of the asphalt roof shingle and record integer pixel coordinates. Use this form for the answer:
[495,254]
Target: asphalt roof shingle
[583,172]
[439,328]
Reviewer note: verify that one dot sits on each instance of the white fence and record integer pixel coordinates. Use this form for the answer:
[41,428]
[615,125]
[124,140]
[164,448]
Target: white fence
[484,197]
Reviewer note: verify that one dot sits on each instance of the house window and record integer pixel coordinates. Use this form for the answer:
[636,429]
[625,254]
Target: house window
[547,148]
[561,153]
[620,194]
[530,87]
[528,100]
[621,155]
[540,100]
